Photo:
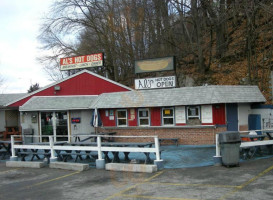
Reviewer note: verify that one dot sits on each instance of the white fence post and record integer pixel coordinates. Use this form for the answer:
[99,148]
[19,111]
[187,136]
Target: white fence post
[100,163]
[99,147]
[53,158]
[159,163]
[217,158]
[13,156]
[157,147]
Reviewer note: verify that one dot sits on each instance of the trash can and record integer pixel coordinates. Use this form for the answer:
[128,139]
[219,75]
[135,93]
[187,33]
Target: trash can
[28,135]
[230,148]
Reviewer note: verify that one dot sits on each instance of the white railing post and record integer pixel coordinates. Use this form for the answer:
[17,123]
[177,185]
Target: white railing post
[53,158]
[100,163]
[99,147]
[158,162]
[13,156]
[217,145]
[157,148]
[217,158]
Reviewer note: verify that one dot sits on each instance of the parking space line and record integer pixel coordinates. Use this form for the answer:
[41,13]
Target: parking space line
[152,197]
[247,183]
[195,185]
[51,180]
[10,170]
[121,193]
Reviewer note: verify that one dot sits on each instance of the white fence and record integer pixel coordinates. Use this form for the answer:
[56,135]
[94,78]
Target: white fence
[99,148]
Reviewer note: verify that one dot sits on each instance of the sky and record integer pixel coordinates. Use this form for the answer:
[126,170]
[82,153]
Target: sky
[19,27]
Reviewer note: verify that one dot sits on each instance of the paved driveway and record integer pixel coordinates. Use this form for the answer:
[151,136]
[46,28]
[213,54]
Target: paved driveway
[252,180]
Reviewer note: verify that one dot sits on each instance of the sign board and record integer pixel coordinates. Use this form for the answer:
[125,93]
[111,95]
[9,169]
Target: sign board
[180,115]
[78,62]
[155,83]
[206,113]
[76,120]
[154,65]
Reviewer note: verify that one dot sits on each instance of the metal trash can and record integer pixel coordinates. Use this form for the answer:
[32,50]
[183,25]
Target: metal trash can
[230,148]
[28,135]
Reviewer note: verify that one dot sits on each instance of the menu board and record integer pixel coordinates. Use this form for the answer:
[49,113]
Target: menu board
[206,114]
[180,115]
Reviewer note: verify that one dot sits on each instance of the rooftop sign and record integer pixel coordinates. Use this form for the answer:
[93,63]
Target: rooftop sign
[78,62]
[153,83]
[154,65]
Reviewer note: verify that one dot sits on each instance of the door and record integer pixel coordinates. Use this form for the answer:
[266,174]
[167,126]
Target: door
[232,116]
[54,124]
[46,125]
[254,123]
[61,126]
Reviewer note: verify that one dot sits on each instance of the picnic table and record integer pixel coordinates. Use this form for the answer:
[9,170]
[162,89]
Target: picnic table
[5,147]
[36,153]
[249,152]
[94,135]
[115,154]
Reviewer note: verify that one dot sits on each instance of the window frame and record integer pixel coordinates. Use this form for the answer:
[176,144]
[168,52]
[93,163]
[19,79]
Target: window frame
[168,117]
[126,118]
[194,116]
[148,116]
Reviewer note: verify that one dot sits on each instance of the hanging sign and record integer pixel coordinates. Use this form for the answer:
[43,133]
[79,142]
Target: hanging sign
[155,83]
[78,62]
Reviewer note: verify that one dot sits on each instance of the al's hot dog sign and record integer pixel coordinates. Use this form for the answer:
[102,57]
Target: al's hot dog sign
[78,62]
[155,83]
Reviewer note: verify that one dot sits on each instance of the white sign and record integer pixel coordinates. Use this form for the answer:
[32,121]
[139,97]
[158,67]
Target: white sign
[92,60]
[206,112]
[153,83]
[180,115]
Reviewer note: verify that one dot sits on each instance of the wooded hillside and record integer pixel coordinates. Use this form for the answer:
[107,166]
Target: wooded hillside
[224,42]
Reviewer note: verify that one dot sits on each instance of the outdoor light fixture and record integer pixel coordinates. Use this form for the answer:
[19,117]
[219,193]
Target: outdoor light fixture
[57,88]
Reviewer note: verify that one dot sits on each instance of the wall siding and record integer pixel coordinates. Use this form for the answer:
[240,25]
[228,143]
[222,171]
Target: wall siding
[83,84]
[186,136]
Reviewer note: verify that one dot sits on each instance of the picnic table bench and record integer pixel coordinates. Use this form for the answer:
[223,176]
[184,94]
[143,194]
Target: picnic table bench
[174,140]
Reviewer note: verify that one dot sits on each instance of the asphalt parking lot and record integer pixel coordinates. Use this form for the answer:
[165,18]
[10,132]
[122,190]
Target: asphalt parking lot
[252,180]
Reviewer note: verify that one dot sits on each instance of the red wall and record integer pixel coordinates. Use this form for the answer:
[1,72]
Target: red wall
[155,116]
[106,119]
[132,117]
[83,84]
[219,114]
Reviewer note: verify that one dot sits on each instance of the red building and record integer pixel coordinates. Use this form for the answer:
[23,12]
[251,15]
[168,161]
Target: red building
[193,115]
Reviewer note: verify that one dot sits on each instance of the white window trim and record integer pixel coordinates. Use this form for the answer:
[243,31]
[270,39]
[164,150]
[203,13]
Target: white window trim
[173,117]
[148,117]
[122,118]
[196,116]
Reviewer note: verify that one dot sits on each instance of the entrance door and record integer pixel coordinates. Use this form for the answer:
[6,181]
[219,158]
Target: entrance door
[232,116]
[61,126]
[46,125]
[55,124]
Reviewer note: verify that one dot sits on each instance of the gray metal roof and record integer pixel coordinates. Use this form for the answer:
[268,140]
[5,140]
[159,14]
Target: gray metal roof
[7,98]
[39,103]
[180,96]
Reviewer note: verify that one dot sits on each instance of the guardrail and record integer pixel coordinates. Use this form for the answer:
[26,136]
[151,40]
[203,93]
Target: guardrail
[99,148]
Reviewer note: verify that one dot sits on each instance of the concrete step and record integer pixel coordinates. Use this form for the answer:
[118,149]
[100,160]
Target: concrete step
[25,164]
[131,167]
[69,166]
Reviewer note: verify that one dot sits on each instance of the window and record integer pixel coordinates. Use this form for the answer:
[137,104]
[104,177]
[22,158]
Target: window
[121,117]
[143,117]
[193,112]
[168,116]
